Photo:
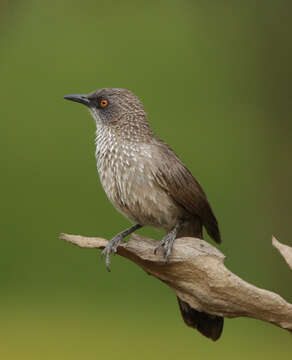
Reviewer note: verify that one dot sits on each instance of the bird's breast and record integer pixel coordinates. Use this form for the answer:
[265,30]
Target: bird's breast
[127,176]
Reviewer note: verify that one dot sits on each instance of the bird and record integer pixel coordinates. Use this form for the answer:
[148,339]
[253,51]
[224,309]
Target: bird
[147,182]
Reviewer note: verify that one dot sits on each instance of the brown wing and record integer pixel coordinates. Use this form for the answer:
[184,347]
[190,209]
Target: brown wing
[171,175]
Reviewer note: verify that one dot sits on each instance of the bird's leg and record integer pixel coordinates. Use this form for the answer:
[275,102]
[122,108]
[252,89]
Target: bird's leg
[112,245]
[168,240]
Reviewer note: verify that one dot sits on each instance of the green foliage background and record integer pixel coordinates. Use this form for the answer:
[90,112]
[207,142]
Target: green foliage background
[215,78]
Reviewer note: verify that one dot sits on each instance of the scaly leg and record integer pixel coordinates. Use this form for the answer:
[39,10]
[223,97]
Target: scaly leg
[168,240]
[112,245]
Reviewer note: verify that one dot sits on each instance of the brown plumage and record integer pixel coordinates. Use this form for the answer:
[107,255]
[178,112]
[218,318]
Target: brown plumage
[148,183]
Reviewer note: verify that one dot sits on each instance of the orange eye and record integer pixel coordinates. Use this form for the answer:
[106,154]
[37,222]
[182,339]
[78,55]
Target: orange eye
[103,103]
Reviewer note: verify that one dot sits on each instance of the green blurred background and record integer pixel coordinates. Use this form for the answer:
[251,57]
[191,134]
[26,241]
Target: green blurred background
[215,78]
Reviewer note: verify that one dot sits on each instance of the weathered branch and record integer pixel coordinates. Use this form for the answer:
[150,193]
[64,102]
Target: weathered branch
[197,274]
[284,250]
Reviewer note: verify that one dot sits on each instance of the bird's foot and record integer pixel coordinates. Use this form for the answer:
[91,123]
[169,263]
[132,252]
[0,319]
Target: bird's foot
[112,245]
[111,248]
[166,243]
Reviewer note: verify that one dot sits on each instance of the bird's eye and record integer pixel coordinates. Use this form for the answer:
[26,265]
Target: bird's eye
[103,103]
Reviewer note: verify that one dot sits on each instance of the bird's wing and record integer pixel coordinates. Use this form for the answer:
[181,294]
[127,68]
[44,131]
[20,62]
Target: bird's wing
[172,176]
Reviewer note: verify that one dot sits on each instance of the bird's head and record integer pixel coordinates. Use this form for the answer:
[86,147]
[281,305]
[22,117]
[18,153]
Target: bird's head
[111,106]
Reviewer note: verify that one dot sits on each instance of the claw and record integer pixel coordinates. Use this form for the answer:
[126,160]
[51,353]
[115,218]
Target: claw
[111,248]
[168,252]
[161,243]
[166,243]
[108,262]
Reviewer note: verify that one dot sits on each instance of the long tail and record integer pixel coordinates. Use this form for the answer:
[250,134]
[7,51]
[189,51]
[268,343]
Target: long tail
[209,325]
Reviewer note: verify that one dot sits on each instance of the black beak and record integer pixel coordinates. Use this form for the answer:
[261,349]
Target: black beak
[80,98]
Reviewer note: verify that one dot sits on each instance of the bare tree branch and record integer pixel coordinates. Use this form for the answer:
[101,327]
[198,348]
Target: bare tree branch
[197,274]
[284,250]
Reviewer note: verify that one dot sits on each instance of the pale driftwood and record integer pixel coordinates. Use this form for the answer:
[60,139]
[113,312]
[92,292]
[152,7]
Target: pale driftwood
[284,250]
[197,274]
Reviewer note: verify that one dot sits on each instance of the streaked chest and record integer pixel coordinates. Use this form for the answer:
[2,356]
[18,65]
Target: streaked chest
[126,173]
[123,168]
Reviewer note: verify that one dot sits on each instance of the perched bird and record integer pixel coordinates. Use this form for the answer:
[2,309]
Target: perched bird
[148,183]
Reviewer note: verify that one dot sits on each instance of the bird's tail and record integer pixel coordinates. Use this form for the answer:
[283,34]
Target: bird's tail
[209,325]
